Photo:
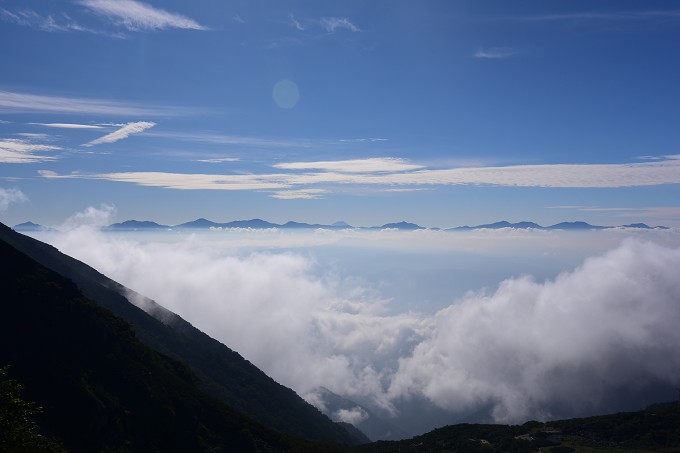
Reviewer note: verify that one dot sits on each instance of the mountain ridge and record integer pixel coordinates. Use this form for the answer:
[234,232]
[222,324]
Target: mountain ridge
[224,373]
[202,223]
[100,387]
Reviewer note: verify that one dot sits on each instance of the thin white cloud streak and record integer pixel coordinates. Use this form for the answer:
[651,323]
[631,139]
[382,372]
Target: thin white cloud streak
[27,102]
[68,125]
[34,136]
[49,23]
[304,194]
[138,16]
[362,140]
[11,196]
[18,151]
[183,181]
[581,343]
[496,53]
[548,176]
[373,165]
[296,23]
[331,24]
[218,160]
[124,132]
[222,139]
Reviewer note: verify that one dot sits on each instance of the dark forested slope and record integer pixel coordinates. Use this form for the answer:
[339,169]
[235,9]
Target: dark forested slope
[100,387]
[222,372]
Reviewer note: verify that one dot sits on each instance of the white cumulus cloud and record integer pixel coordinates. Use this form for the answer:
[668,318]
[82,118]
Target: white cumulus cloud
[11,196]
[90,217]
[538,350]
[601,337]
[353,416]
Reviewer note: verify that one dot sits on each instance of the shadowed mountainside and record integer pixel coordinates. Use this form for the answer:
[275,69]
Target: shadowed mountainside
[100,387]
[221,372]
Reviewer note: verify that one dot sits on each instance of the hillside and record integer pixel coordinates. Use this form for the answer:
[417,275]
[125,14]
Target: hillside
[222,373]
[100,387]
[655,429]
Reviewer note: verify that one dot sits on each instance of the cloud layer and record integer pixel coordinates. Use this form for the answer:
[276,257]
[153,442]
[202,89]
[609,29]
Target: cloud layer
[13,101]
[537,350]
[600,337]
[400,174]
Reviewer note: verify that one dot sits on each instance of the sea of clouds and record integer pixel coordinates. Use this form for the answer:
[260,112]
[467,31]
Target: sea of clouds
[592,337]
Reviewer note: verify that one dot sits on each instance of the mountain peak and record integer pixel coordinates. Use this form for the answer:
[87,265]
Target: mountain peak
[28,226]
[403,225]
[137,224]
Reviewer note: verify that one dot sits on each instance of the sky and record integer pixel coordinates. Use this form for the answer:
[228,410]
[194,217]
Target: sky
[441,113]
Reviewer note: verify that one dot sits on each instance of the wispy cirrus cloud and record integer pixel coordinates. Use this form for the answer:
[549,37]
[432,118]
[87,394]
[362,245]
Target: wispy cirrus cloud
[372,165]
[34,136]
[21,151]
[496,53]
[12,101]
[69,125]
[184,181]
[296,23]
[218,160]
[124,132]
[139,16]
[225,139]
[264,142]
[399,174]
[303,194]
[330,24]
[49,23]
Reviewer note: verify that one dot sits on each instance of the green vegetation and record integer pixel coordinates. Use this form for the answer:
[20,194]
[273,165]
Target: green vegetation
[18,429]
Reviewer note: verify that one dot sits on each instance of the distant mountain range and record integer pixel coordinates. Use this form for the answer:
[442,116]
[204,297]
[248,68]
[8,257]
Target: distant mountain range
[259,224]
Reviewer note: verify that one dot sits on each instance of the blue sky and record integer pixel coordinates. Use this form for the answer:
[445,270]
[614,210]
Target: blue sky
[441,113]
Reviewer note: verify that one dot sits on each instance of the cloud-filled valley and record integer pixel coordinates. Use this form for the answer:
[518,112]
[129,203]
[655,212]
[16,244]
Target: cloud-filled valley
[598,337]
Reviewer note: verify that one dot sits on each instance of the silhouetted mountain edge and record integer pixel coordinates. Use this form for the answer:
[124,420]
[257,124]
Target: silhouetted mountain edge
[222,372]
[101,388]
